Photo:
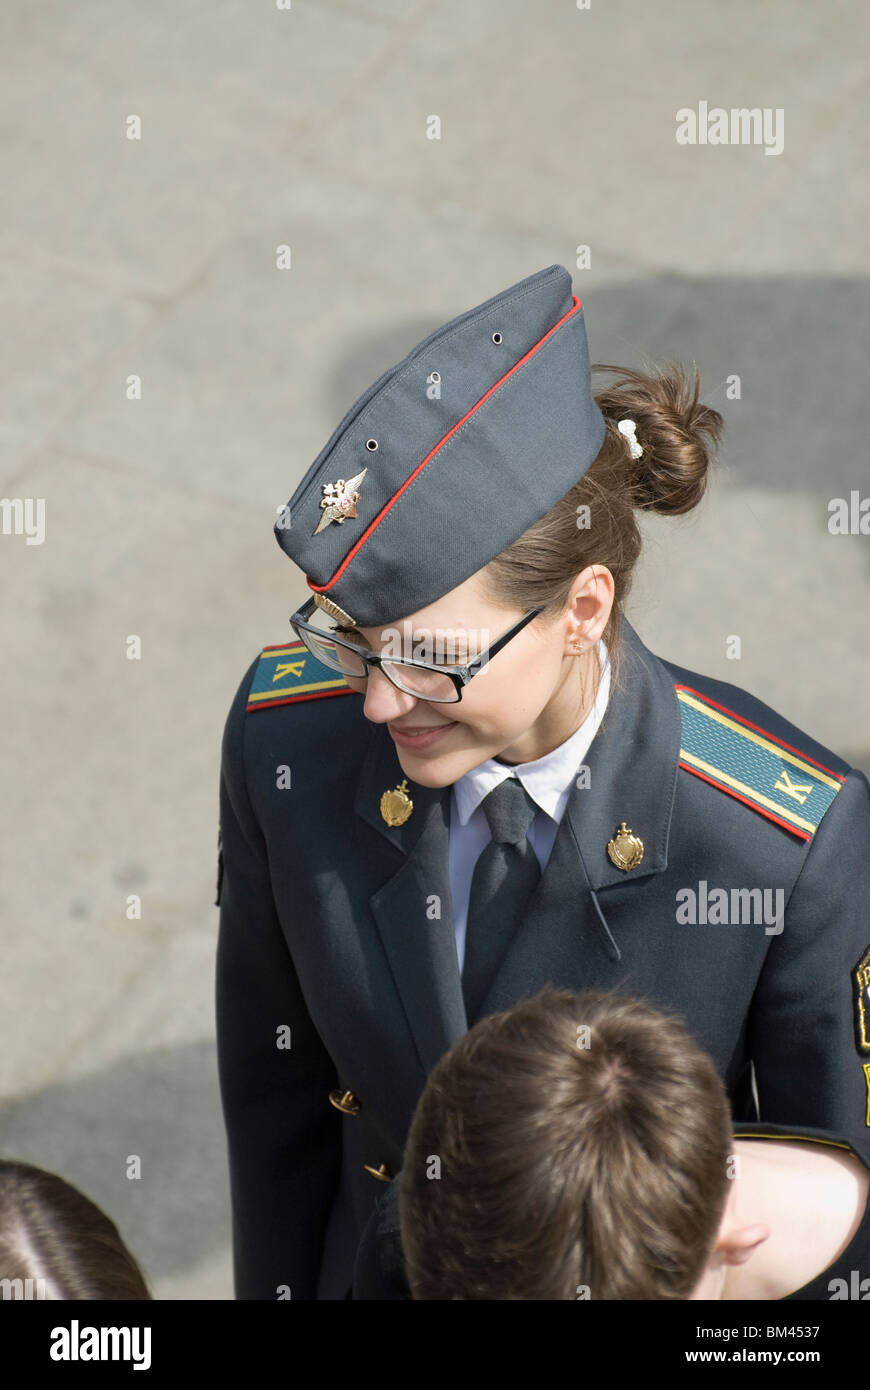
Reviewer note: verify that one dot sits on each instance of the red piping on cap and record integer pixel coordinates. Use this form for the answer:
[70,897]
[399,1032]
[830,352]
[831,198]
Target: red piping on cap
[321,588]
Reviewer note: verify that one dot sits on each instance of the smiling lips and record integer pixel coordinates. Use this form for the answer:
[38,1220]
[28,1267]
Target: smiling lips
[423,729]
[419,737]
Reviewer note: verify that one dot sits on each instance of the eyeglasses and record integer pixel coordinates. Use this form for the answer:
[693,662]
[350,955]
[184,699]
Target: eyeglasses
[427,680]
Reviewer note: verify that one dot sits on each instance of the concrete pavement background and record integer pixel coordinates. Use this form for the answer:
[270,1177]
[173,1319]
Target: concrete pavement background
[307,126]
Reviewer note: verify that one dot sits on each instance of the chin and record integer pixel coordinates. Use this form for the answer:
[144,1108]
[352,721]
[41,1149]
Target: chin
[438,772]
[426,774]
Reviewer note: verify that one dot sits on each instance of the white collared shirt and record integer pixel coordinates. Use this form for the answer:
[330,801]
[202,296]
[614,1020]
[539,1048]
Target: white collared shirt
[548,780]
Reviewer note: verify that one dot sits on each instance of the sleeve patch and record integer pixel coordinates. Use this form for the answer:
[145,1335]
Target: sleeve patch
[861,979]
[757,768]
[289,673]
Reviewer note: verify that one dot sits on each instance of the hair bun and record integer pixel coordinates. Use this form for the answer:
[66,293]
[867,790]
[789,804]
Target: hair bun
[675,432]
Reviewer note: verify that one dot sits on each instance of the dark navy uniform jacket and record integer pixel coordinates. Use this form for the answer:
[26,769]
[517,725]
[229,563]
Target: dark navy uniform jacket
[337,927]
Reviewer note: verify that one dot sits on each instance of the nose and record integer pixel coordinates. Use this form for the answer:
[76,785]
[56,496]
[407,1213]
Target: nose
[383,700]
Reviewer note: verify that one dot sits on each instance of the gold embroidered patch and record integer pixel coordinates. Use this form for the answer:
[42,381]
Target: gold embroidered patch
[861,978]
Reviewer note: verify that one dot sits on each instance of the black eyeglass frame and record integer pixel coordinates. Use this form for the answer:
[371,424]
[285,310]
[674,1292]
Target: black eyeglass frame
[459,675]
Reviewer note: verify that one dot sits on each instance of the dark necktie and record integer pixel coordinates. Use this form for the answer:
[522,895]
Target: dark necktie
[504,878]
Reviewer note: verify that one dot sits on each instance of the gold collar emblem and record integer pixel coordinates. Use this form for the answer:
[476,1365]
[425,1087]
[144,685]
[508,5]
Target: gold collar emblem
[625,850]
[396,805]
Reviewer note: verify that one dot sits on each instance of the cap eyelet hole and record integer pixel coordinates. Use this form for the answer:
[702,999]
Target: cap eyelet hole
[496,338]
[434,376]
[371,445]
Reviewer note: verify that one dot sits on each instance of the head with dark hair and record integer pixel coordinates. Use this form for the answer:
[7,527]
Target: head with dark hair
[56,1241]
[575,565]
[574,1145]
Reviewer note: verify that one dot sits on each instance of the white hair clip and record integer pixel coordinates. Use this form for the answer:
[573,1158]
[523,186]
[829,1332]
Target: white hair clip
[628,428]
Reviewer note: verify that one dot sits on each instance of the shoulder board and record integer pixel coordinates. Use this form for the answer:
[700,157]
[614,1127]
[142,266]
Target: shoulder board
[756,767]
[288,673]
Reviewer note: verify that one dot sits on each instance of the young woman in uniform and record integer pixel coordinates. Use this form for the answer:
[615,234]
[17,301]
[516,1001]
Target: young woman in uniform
[467,778]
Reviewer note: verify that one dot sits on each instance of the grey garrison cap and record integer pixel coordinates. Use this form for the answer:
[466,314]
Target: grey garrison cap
[449,456]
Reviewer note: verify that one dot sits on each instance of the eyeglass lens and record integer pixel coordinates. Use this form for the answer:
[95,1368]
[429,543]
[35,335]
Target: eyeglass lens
[415,680]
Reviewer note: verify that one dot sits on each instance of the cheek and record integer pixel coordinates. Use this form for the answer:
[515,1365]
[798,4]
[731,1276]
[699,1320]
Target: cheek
[508,697]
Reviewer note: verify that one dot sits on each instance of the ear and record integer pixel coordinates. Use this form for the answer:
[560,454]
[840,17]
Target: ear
[590,602]
[737,1244]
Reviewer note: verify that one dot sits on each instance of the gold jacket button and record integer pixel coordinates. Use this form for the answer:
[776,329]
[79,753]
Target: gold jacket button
[345,1101]
[382,1173]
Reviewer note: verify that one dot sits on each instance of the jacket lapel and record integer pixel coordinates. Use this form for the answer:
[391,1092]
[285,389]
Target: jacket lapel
[413,909]
[632,774]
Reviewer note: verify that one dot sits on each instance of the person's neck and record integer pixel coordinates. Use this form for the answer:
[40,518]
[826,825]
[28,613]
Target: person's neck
[561,718]
[812,1199]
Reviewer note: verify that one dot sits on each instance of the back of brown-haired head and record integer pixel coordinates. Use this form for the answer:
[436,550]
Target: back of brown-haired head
[573,1146]
[54,1236]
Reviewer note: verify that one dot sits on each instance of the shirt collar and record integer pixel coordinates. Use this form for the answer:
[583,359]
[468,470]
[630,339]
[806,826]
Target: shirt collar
[548,779]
